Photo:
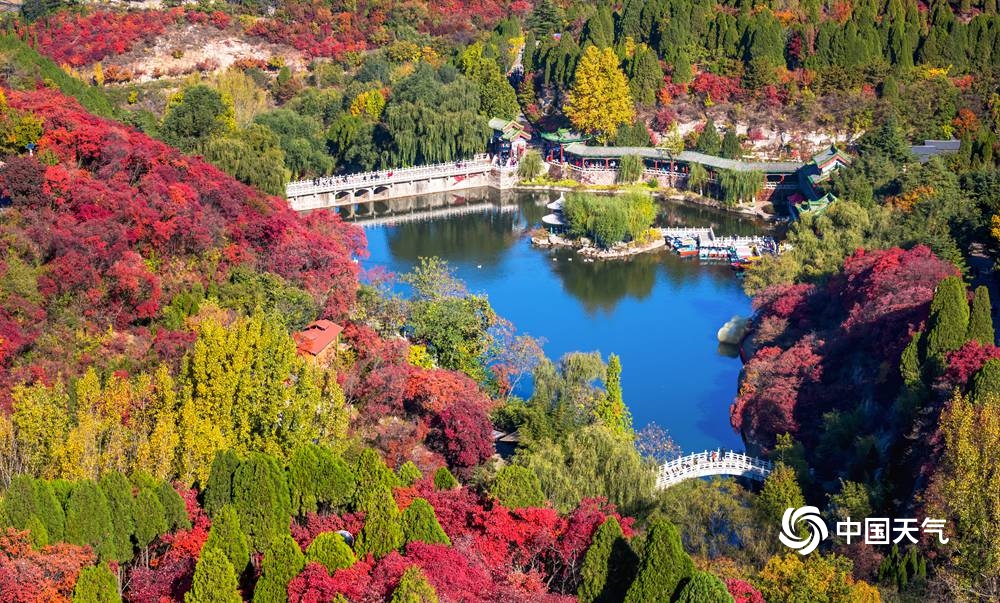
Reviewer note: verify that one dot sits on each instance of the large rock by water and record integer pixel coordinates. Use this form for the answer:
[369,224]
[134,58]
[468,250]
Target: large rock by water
[734,330]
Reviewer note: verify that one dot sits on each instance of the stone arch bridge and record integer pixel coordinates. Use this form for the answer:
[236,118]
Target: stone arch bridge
[709,463]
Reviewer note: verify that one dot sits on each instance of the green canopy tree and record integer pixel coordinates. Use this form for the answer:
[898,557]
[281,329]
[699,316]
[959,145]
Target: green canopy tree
[608,565]
[980,319]
[420,524]
[373,476]
[214,580]
[611,410]
[664,565]
[408,473]
[50,510]
[37,533]
[414,588]
[318,479]
[645,76]
[19,502]
[96,584]
[226,536]
[731,145]
[195,114]
[283,560]
[986,381]
[517,487]
[780,491]
[330,550]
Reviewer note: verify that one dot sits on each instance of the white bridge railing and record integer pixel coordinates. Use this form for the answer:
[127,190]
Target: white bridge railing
[708,463]
[333,184]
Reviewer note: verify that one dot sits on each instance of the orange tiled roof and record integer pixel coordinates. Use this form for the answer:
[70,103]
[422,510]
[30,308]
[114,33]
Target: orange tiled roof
[316,336]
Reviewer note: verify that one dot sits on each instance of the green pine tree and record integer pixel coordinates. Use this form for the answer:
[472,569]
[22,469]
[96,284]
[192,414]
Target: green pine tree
[517,487]
[980,319]
[118,491]
[731,148]
[949,318]
[703,587]
[174,510]
[330,550]
[219,489]
[226,536]
[317,478]
[611,410]
[214,580]
[909,362]
[96,584]
[780,491]
[708,141]
[683,73]
[608,566]
[420,524]
[283,560]
[664,565]
[382,532]
[444,480]
[88,519]
[414,588]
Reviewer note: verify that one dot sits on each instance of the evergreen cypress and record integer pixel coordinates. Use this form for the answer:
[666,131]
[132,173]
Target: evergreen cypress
[703,587]
[909,362]
[414,588]
[382,532]
[96,584]
[608,565]
[261,499]
[330,550]
[50,511]
[226,536]
[611,410]
[708,141]
[37,533]
[986,381]
[420,524]
[372,476]
[88,519]
[317,478]
[118,491]
[214,580]
[174,509]
[949,318]
[408,474]
[444,480]
[683,73]
[980,320]
[219,489]
[150,519]
[19,501]
[283,560]
[517,487]
[664,566]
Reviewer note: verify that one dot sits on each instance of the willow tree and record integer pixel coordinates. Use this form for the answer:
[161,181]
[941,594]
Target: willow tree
[599,100]
[630,169]
[697,178]
[738,186]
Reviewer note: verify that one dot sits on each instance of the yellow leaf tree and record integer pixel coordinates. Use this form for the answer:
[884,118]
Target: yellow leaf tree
[599,101]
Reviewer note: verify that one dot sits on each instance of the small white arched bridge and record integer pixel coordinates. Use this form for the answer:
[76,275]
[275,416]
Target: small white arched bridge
[709,463]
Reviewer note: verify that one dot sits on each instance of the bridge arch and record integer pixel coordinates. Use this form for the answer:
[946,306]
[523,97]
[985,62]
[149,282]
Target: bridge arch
[709,463]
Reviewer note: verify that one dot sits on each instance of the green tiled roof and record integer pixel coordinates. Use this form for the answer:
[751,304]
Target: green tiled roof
[719,163]
[564,136]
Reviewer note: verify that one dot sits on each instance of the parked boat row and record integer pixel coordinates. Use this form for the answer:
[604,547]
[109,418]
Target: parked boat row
[739,252]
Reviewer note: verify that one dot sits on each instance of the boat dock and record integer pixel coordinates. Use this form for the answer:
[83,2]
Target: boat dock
[704,243]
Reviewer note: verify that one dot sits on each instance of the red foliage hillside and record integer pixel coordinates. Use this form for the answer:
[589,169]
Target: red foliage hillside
[120,223]
[825,346]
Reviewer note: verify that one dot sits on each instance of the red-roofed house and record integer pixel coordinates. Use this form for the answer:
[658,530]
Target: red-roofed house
[318,340]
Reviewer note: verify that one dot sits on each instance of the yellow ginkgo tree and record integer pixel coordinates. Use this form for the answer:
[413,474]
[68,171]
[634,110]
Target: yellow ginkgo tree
[599,100]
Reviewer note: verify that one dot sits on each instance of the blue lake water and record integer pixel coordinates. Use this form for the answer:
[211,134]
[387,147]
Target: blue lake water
[658,312]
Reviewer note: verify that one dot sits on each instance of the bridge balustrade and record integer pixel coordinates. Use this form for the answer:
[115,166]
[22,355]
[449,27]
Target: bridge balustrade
[327,184]
[704,464]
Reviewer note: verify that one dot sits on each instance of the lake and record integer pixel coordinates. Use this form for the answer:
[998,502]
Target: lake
[658,312]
